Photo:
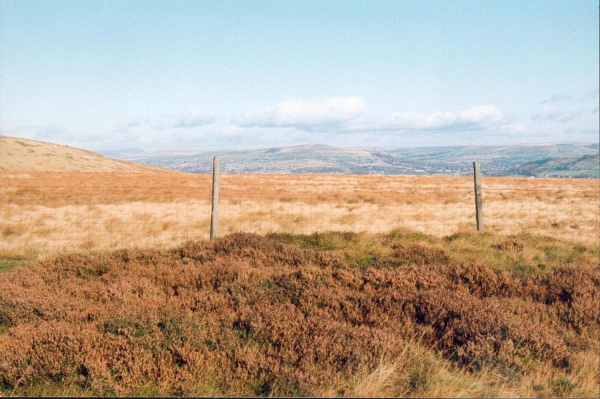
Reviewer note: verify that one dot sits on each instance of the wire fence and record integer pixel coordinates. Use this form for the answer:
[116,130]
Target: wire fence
[84,215]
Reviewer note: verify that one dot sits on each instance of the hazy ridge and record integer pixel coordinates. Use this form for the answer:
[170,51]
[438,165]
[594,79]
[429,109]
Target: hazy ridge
[539,160]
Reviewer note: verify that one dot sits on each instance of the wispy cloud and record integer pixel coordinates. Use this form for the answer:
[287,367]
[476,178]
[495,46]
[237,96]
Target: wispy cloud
[558,97]
[571,131]
[40,132]
[136,122]
[54,133]
[549,113]
[592,93]
[351,114]
[191,118]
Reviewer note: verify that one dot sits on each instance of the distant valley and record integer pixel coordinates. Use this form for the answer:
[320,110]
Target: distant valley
[540,160]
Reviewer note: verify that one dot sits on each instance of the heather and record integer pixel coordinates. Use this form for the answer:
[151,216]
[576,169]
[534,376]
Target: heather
[400,314]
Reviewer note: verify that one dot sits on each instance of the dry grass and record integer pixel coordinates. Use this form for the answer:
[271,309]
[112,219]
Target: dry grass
[342,314]
[44,213]
[17,154]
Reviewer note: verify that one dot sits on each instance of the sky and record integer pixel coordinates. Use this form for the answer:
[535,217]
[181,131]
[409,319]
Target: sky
[175,75]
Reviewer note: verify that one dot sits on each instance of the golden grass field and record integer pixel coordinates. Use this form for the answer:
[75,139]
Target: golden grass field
[47,212]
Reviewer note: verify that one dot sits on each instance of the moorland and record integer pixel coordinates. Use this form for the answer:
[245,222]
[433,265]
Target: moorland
[317,285]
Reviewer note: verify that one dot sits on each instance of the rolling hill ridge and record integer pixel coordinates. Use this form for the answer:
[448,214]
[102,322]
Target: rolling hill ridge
[560,160]
[17,154]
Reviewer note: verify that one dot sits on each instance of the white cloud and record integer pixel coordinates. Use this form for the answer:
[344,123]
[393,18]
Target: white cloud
[479,117]
[305,115]
[351,114]
[550,113]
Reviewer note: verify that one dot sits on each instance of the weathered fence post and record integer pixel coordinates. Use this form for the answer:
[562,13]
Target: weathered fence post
[214,214]
[478,197]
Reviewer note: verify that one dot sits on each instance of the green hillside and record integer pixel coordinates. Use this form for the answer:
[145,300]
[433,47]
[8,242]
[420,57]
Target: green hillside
[580,167]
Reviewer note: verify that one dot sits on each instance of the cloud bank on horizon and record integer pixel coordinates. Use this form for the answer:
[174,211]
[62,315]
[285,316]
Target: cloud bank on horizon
[414,73]
[351,114]
[309,121]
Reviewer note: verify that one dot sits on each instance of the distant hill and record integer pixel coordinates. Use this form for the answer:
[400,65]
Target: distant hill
[319,159]
[18,154]
[585,166]
[298,159]
[499,160]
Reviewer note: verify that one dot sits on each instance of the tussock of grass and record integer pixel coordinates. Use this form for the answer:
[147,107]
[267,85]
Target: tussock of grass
[10,261]
[344,314]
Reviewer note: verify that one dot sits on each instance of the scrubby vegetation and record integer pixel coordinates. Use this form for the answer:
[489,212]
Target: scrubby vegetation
[324,314]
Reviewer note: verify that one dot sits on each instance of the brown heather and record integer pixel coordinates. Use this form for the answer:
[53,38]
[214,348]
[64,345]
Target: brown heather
[402,314]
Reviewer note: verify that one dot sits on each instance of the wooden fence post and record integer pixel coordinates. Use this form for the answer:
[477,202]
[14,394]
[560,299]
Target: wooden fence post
[478,196]
[214,214]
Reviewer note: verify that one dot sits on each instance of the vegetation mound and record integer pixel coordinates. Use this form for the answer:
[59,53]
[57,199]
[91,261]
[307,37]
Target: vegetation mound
[325,314]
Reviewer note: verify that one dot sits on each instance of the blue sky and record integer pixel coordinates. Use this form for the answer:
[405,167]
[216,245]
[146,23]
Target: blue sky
[244,74]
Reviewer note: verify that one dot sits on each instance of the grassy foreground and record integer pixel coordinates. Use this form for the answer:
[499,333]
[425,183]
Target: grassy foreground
[401,314]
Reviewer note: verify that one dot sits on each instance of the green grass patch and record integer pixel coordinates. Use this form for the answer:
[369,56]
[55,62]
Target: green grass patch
[10,263]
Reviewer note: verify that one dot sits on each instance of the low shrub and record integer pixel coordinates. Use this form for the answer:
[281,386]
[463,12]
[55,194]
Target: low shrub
[290,315]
